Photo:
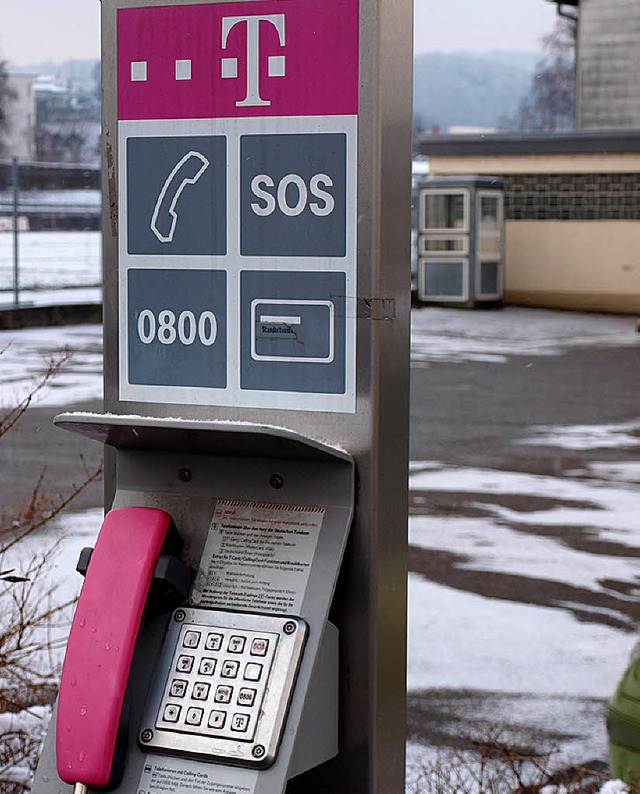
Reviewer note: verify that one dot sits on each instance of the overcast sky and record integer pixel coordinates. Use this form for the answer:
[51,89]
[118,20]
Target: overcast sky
[37,30]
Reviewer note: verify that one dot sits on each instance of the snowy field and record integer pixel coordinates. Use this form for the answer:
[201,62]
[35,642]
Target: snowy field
[535,665]
[51,260]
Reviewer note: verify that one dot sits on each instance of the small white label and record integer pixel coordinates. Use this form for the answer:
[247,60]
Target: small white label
[258,556]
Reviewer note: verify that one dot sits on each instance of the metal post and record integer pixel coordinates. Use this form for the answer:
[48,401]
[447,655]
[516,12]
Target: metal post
[15,176]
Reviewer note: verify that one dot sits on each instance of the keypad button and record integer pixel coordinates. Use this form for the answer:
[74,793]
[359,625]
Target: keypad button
[201,691]
[259,646]
[252,672]
[185,664]
[247,697]
[171,713]
[217,719]
[191,639]
[194,716]
[230,669]
[223,694]
[213,642]
[236,644]
[240,723]
[207,666]
[178,688]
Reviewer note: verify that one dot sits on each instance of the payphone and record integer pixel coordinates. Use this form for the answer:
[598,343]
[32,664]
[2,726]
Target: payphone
[224,680]
[242,625]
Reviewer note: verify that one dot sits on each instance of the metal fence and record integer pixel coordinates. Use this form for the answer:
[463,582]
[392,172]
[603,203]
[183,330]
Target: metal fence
[49,227]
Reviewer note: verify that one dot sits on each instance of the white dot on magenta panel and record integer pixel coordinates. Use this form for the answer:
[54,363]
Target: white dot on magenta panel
[229,67]
[183,70]
[276,66]
[138,71]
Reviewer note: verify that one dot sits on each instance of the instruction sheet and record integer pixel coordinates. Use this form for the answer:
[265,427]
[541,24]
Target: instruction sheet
[258,556]
[182,776]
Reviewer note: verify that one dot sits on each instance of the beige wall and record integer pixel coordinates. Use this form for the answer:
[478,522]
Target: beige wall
[587,265]
[535,164]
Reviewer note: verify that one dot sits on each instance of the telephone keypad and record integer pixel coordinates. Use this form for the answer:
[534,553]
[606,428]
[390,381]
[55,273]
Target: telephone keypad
[224,684]
[221,656]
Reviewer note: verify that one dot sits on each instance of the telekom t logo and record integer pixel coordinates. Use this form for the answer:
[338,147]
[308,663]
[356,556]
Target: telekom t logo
[275,63]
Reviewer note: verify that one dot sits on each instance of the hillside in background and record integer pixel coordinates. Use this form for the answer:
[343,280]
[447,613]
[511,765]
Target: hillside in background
[463,88]
[470,89]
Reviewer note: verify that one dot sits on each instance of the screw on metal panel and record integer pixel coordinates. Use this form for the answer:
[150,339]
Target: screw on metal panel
[179,615]
[258,751]
[289,627]
[146,735]
[185,475]
[276,481]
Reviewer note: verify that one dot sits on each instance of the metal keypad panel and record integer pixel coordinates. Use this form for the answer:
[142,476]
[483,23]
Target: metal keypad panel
[217,681]
[223,685]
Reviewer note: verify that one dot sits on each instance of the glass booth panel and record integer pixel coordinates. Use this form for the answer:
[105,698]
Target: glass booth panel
[444,210]
[490,280]
[444,280]
[490,244]
[490,213]
[443,245]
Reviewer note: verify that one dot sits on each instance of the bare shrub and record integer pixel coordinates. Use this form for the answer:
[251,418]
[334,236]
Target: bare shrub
[495,763]
[33,621]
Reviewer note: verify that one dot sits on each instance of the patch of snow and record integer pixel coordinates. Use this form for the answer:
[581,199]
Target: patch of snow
[583,437]
[461,640]
[621,473]
[25,355]
[440,334]
[614,787]
[52,259]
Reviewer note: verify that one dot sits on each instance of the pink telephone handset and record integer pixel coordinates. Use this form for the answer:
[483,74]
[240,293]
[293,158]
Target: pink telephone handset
[102,641]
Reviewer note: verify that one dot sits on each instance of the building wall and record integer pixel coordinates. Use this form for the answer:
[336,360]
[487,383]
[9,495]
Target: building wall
[573,265]
[608,64]
[572,236]
[20,137]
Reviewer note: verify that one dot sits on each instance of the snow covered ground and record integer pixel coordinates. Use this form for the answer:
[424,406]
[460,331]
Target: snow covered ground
[490,336]
[51,260]
[533,665]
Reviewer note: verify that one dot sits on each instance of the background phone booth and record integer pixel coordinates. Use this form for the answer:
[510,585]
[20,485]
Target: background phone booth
[460,241]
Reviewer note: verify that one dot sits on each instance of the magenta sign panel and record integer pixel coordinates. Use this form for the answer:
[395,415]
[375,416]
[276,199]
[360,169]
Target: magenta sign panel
[225,60]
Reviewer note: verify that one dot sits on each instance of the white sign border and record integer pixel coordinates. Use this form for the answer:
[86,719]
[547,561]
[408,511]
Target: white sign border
[233,263]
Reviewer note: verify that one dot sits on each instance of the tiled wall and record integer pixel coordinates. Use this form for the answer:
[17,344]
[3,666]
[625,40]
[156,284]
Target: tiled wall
[572,196]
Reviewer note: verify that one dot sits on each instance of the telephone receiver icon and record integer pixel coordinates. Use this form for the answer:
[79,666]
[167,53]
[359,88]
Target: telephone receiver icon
[186,171]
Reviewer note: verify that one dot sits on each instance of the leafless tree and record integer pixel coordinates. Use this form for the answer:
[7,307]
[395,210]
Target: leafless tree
[550,102]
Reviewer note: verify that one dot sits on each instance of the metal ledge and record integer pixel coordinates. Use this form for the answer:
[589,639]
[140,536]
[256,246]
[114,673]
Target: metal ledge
[229,439]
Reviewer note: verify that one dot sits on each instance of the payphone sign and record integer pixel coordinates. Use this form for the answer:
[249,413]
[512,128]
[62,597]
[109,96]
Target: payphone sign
[230,60]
